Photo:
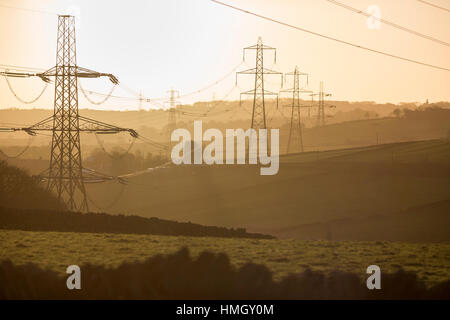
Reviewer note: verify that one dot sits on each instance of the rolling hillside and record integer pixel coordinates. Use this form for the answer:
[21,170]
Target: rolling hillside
[26,205]
[310,189]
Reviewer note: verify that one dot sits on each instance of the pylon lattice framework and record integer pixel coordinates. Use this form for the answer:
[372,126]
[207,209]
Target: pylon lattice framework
[259,109]
[172,119]
[295,131]
[321,105]
[65,174]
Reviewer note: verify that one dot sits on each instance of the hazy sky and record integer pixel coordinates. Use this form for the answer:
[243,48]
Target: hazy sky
[156,45]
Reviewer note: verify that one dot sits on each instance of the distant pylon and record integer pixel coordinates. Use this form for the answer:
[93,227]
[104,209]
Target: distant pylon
[172,119]
[321,105]
[140,101]
[311,105]
[259,109]
[295,131]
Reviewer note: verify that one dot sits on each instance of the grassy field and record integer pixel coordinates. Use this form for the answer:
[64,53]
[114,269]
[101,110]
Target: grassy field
[57,250]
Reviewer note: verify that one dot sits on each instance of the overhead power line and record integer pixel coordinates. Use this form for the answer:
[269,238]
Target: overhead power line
[86,94]
[331,38]
[433,5]
[29,10]
[21,99]
[140,97]
[136,96]
[214,83]
[392,24]
[12,67]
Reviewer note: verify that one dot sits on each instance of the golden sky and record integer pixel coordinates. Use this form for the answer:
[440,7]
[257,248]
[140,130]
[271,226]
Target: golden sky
[155,45]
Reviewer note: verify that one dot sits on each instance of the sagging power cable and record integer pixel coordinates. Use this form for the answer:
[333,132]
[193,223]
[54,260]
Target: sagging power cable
[19,98]
[106,98]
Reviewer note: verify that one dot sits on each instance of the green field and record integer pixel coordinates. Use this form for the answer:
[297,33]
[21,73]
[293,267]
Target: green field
[57,250]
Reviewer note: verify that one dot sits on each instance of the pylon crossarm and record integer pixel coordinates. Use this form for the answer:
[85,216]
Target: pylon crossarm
[8,129]
[27,130]
[270,71]
[94,126]
[248,71]
[92,176]
[79,72]
[17,74]
[44,125]
[43,76]
[262,46]
[291,90]
[85,179]
[249,92]
[253,71]
[298,73]
[31,133]
[270,93]
[266,92]
[86,73]
[89,176]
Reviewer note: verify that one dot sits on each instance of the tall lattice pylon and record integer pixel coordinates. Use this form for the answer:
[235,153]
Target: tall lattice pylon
[295,140]
[258,93]
[65,174]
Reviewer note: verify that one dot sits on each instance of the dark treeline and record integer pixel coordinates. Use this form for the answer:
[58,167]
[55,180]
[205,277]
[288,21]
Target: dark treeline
[210,276]
[20,190]
[65,221]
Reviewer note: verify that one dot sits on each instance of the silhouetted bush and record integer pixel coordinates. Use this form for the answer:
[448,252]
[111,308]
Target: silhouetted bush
[20,190]
[210,276]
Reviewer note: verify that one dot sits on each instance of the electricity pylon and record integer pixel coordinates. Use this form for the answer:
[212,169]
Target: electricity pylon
[321,105]
[172,120]
[295,130]
[259,109]
[140,100]
[311,106]
[65,174]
